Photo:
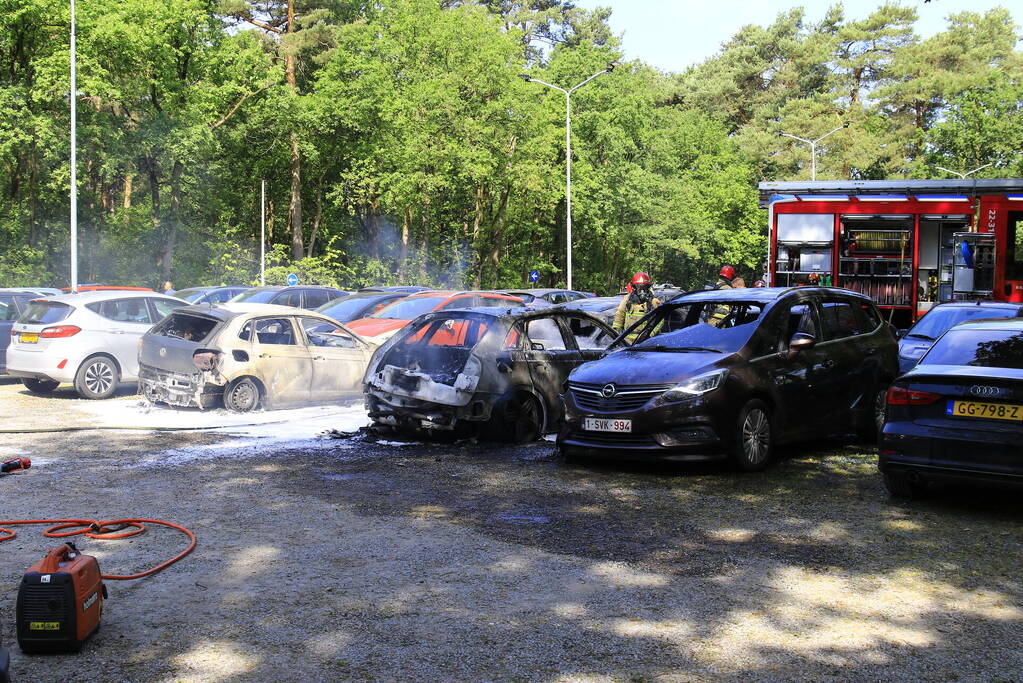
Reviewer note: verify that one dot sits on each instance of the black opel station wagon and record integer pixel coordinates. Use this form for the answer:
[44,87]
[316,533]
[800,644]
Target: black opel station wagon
[734,373]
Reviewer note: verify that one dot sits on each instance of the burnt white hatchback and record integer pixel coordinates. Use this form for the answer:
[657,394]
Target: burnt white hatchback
[250,355]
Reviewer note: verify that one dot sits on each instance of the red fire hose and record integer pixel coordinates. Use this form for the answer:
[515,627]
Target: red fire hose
[103,531]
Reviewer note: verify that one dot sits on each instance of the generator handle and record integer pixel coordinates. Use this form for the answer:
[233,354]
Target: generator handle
[51,563]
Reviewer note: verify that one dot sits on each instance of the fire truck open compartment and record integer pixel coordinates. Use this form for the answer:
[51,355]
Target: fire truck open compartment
[907,244]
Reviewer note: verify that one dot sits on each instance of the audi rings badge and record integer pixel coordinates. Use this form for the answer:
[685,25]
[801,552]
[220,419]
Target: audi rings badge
[608,391]
[985,392]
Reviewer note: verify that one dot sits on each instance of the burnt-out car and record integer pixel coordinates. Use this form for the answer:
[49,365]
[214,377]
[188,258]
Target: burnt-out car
[250,355]
[734,373]
[451,371]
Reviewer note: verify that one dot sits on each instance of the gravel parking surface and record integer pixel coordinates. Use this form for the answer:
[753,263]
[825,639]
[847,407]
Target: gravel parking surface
[355,558]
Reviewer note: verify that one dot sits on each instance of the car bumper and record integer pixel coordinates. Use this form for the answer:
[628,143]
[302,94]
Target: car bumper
[399,411]
[187,391]
[40,365]
[949,454]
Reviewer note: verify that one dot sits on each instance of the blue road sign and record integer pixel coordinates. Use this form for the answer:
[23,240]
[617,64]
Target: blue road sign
[534,275]
[292,279]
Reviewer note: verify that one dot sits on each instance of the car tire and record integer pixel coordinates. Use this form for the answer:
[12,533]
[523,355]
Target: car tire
[40,386]
[751,451]
[873,421]
[900,486]
[243,395]
[520,418]
[97,378]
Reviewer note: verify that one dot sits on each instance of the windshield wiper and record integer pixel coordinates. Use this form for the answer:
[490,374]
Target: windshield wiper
[920,336]
[677,349]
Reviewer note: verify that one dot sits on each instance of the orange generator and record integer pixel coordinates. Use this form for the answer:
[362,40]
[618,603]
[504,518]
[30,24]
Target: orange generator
[60,602]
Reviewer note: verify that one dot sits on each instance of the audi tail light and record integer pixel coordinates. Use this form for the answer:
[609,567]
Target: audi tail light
[899,396]
[60,331]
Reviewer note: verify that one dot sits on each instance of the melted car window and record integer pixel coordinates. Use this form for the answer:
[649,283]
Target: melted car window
[277,331]
[323,333]
[545,331]
[588,335]
[184,326]
[449,332]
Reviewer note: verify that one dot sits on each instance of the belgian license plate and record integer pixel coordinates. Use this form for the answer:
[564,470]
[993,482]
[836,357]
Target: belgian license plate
[29,338]
[599,424]
[988,411]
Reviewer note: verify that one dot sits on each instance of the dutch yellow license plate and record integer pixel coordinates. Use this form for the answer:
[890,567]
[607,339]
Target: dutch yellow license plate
[988,411]
[29,338]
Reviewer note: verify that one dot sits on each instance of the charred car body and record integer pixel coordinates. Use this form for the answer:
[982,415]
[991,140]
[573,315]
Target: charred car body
[248,355]
[733,373]
[506,368]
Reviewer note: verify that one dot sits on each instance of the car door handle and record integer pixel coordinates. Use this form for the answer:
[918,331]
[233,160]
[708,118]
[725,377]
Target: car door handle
[319,358]
[872,352]
[828,363]
[265,355]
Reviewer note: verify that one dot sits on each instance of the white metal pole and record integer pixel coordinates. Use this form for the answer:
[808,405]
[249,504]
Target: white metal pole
[813,161]
[74,158]
[568,186]
[262,233]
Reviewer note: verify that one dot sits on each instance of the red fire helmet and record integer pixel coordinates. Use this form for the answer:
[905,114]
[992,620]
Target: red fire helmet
[727,272]
[641,279]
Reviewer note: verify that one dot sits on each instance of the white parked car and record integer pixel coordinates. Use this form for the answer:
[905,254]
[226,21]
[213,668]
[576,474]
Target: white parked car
[89,339]
[251,355]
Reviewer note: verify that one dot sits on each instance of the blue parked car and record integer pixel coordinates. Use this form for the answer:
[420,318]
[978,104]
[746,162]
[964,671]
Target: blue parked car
[12,305]
[915,341]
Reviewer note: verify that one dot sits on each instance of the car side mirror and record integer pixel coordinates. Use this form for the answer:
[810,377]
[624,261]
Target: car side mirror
[801,341]
[536,346]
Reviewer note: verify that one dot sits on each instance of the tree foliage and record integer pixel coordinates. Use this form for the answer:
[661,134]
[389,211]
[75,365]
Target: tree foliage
[398,144]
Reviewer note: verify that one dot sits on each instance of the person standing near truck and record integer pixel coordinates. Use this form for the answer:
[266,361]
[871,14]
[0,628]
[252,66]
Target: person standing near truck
[636,303]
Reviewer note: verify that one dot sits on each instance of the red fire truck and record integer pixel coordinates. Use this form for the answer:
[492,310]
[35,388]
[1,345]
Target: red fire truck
[908,244]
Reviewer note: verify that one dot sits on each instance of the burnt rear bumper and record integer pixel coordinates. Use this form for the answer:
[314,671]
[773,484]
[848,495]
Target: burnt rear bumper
[176,389]
[411,413]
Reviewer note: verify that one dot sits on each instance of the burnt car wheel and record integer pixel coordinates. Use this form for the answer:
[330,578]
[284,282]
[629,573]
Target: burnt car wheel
[97,378]
[521,419]
[752,449]
[242,395]
[40,386]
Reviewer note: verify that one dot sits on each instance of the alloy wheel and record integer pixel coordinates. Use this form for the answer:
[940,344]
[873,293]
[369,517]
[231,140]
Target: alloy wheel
[99,377]
[756,436]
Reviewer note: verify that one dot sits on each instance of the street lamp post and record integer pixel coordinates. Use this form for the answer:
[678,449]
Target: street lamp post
[813,147]
[74,158]
[568,157]
[963,175]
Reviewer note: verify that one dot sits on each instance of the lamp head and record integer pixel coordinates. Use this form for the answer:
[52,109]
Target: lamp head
[612,65]
[526,77]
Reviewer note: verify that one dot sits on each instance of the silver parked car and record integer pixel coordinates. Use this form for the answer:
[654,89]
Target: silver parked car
[89,339]
[251,355]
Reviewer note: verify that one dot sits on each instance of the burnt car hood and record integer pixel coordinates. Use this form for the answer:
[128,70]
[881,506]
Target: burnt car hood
[634,366]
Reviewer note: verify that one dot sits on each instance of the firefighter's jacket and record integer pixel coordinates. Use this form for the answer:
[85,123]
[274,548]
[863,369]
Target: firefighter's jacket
[721,312]
[630,310]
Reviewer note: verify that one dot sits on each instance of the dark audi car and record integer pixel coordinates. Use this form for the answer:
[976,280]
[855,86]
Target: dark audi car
[502,369]
[958,415]
[735,373]
[915,341]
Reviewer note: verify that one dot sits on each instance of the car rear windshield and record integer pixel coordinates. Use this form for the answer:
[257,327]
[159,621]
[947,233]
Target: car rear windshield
[454,332]
[255,296]
[937,321]
[45,313]
[190,294]
[349,308]
[195,328]
[979,348]
[410,308]
[721,326]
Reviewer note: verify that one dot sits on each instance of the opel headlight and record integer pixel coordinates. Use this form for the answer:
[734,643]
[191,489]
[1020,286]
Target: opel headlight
[696,386]
[913,352]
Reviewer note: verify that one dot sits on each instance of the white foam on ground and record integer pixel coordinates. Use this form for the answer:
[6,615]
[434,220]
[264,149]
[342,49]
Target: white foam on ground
[257,433]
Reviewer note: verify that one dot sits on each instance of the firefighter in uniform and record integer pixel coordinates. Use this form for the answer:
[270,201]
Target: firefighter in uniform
[637,303]
[726,280]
